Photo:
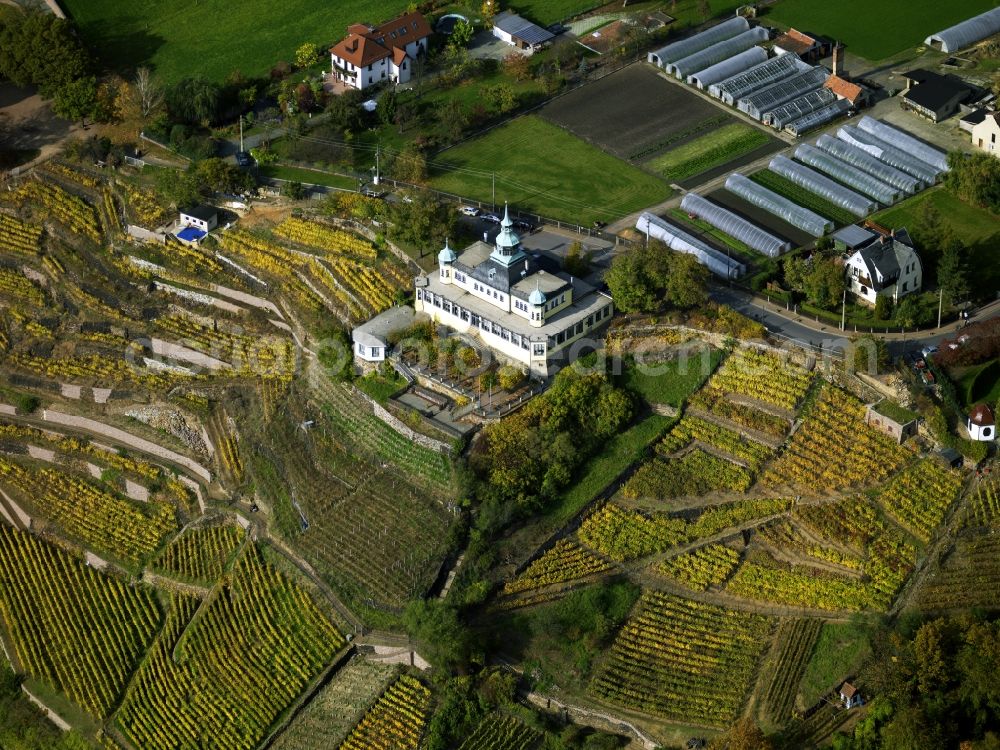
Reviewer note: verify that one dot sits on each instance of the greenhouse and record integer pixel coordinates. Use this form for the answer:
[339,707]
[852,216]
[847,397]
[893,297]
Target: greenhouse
[799,108]
[845,173]
[686,47]
[735,226]
[758,195]
[716,53]
[757,77]
[820,117]
[868,163]
[677,239]
[967,33]
[772,97]
[891,155]
[823,186]
[720,71]
[904,141]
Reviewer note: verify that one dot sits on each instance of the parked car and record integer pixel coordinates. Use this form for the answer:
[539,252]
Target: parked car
[373,193]
[491,218]
[927,351]
[469,211]
[523,225]
[244,159]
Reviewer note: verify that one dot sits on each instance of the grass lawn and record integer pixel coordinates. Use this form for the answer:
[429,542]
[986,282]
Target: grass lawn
[708,151]
[546,12]
[975,227]
[980,383]
[839,651]
[545,170]
[669,382]
[211,38]
[865,27]
[308,176]
[785,187]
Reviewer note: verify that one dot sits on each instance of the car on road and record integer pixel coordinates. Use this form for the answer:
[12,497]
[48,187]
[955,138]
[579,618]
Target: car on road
[523,225]
[469,211]
[373,193]
[927,351]
[244,159]
[491,218]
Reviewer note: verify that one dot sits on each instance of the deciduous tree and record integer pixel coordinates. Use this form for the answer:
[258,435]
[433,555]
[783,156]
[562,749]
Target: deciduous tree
[77,99]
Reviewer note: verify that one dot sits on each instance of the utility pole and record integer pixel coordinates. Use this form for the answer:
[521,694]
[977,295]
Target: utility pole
[843,311]
[241,134]
[377,148]
[494,202]
[940,304]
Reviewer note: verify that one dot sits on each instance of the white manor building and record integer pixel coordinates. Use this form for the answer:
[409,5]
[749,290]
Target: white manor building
[886,265]
[521,312]
[380,54]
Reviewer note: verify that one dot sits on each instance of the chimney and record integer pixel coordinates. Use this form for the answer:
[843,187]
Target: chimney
[837,52]
[354,45]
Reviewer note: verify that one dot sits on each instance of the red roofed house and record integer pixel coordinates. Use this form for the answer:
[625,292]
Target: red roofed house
[370,55]
[982,425]
[794,42]
[844,89]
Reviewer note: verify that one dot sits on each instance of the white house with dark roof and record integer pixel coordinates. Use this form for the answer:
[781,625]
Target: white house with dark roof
[885,265]
[986,134]
[371,339]
[499,294]
[519,32]
[377,54]
[981,424]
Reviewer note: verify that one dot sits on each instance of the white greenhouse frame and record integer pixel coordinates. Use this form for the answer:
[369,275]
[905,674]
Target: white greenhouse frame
[717,53]
[772,97]
[823,186]
[845,173]
[888,153]
[686,47]
[864,161]
[723,70]
[966,33]
[904,141]
[792,213]
[820,117]
[759,76]
[735,226]
[677,239]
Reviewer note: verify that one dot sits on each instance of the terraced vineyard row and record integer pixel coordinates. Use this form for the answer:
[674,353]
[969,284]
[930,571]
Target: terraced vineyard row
[762,376]
[110,523]
[695,473]
[794,643]
[501,732]
[835,448]
[19,239]
[79,630]
[984,507]
[713,400]
[967,577]
[323,237]
[752,453]
[199,555]
[20,288]
[706,566]
[920,496]
[221,679]
[566,561]
[683,660]
[396,722]
[69,210]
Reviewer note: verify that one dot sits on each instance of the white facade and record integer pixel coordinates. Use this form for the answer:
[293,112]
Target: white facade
[981,424]
[884,268]
[382,54]
[205,221]
[496,293]
[986,134]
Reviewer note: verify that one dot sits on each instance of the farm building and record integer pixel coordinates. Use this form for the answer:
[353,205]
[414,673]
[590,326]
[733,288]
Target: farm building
[377,54]
[850,696]
[500,294]
[371,339]
[981,424]
[892,419]
[204,218]
[857,95]
[677,239]
[935,96]
[852,237]
[687,47]
[794,42]
[519,32]
[967,32]
[886,266]
[761,101]
[756,78]
[971,119]
[986,134]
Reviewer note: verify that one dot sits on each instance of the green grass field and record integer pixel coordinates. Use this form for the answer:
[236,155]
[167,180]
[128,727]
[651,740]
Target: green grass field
[545,170]
[708,151]
[308,176]
[975,227]
[875,30]
[980,383]
[839,651]
[785,187]
[212,38]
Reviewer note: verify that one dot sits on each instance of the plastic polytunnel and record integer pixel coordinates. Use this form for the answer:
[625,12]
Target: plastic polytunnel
[717,53]
[757,77]
[677,239]
[868,163]
[772,97]
[889,154]
[784,209]
[823,186]
[735,226]
[799,107]
[845,173]
[820,117]
[903,140]
[722,70]
[967,33]
[685,47]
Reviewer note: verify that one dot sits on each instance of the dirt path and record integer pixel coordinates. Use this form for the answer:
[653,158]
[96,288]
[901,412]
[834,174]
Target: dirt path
[49,713]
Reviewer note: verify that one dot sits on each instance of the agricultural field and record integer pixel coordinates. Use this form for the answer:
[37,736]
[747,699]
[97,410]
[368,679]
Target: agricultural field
[500,732]
[543,169]
[396,720]
[679,659]
[200,555]
[919,497]
[131,34]
[965,577]
[333,713]
[862,28]
[721,146]
[782,672]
